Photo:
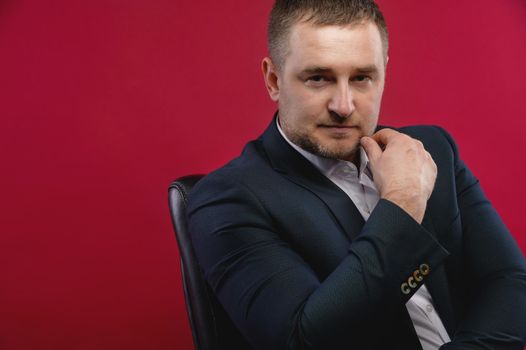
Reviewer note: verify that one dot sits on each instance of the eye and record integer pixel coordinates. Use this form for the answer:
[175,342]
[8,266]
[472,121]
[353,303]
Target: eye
[317,80]
[362,78]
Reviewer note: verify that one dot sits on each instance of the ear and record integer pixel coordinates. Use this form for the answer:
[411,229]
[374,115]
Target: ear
[270,75]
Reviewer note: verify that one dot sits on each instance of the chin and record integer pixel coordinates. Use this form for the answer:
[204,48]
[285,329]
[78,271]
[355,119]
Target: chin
[346,152]
[348,155]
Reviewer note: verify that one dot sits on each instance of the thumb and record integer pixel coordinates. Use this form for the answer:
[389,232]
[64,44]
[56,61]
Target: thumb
[371,147]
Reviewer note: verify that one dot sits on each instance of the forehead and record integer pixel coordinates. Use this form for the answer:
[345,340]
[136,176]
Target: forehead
[333,46]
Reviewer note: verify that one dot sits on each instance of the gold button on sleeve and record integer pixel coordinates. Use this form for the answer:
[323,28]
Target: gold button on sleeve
[411,282]
[405,288]
[417,276]
[424,269]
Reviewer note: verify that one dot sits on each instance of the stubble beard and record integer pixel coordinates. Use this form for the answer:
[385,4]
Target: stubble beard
[311,145]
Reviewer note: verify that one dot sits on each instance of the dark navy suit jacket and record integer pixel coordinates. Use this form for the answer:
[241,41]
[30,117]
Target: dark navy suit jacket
[296,267]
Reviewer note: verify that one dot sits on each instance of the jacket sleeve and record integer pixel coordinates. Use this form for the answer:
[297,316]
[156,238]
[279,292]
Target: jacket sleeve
[274,297]
[495,317]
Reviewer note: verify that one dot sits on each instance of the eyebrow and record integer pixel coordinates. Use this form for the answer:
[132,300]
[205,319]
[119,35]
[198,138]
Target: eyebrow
[367,69]
[323,70]
[316,70]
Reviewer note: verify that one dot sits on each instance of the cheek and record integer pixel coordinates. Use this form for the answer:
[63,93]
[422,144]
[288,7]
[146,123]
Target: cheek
[304,96]
[369,104]
[368,109]
[305,103]
[315,102]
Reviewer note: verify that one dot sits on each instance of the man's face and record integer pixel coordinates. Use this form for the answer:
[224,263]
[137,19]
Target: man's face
[330,86]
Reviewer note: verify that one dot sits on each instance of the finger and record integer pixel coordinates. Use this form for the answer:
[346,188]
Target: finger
[371,148]
[385,136]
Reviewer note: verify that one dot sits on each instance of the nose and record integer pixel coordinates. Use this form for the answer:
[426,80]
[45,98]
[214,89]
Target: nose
[342,102]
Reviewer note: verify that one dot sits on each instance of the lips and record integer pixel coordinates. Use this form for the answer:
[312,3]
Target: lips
[337,130]
[343,127]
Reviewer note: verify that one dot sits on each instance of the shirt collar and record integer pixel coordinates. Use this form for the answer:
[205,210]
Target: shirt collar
[327,165]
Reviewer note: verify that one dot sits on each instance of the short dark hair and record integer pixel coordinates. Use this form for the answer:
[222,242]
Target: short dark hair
[286,13]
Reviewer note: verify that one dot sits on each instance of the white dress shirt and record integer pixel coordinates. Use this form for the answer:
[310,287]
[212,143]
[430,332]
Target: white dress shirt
[359,186]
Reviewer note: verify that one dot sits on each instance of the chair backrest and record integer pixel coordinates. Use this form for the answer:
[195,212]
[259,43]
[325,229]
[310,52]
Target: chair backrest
[211,327]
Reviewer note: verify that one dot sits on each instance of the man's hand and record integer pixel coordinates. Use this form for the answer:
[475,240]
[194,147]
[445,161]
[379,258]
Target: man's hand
[403,172]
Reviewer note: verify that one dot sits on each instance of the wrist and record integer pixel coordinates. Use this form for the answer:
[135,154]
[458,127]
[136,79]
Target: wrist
[413,204]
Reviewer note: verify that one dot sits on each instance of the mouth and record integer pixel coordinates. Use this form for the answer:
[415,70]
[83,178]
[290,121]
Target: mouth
[337,131]
[338,128]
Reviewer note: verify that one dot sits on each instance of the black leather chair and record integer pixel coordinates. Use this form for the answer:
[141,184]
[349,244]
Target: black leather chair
[211,327]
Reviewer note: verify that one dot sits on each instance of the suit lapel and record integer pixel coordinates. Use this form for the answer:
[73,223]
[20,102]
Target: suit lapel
[300,171]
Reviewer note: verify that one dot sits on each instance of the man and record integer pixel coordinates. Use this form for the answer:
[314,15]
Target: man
[329,232]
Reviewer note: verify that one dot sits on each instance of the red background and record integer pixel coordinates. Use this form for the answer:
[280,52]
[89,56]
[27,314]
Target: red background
[103,103]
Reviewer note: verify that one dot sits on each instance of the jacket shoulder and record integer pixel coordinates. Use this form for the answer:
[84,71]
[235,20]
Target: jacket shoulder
[248,170]
[436,140]
[430,133]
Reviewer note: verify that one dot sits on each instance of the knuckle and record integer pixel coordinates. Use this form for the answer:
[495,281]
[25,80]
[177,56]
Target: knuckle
[418,145]
[405,140]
